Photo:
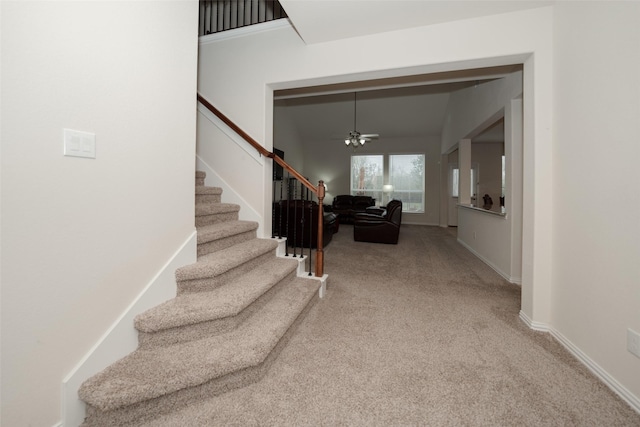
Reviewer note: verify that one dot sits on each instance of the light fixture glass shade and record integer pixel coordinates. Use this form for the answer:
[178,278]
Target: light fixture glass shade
[355,142]
[387,188]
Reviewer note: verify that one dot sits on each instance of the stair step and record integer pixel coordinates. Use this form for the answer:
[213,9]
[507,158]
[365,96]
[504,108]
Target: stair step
[221,267]
[203,189]
[200,176]
[197,315]
[211,213]
[214,237]
[235,310]
[151,381]
[203,209]
[206,194]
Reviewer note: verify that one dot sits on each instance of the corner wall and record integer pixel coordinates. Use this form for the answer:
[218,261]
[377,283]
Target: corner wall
[495,239]
[596,232]
[81,237]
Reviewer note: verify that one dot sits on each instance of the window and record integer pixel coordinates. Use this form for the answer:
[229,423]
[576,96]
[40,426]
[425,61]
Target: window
[454,182]
[367,175]
[406,175]
[455,174]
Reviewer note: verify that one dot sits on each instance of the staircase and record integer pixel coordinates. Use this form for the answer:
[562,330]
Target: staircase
[234,311]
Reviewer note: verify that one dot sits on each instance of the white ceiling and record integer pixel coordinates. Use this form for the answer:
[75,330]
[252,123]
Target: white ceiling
[412,106]
[353,18]
[393,113]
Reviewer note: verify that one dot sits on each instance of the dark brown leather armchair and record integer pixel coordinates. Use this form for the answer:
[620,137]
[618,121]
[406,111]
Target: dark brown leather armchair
[383,228]
[347,206]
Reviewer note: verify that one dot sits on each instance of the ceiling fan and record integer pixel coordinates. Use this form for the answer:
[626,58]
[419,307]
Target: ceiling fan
[355,138]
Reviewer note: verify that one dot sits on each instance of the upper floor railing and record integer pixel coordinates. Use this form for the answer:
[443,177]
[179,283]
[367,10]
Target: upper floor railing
[222,15]
[297,201]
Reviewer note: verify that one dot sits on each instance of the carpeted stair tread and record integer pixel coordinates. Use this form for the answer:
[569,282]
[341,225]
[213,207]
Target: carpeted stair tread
[216,263]
[215,208]
[208,233]
[226,301]
[203,189]
[148,374]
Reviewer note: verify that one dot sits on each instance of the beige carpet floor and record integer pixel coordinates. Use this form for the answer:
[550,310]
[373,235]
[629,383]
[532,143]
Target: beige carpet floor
[422,333]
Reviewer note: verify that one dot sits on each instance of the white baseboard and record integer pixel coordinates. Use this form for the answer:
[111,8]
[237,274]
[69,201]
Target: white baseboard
[507,277]
[536,326]
[430,224]
[300,271]
[596,369]
[121,338]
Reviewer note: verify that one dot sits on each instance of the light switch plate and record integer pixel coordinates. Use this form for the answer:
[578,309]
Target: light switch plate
[79,144]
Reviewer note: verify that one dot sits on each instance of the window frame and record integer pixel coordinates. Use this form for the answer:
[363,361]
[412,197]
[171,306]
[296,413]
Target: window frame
[374,192]
[395,193]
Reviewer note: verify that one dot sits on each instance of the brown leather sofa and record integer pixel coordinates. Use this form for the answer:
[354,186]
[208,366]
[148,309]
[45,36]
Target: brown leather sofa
[384,228]
[299,222]
[347,206]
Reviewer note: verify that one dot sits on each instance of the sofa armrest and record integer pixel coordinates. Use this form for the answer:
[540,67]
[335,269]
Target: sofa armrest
[366,218]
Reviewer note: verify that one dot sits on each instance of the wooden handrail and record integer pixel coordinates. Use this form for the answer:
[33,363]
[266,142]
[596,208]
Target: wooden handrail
[319,191]
[255,144]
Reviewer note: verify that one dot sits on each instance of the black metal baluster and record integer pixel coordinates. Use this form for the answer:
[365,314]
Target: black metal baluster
[282,209]
[280,204]
[305,197]
[232,5]
[254,11]
[241,14]
[260,9]
[227,15]
[257,16]
[310,228]
[220,17]
[268,10]
[295,218]
[273,205]
[201,16]
[208,17]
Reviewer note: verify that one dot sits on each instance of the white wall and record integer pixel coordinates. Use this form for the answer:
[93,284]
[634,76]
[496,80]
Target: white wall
[487,236]
[488,156]
[596,232]
[472,110]
[215,137]
[82,237]
[287,138]
[494,239]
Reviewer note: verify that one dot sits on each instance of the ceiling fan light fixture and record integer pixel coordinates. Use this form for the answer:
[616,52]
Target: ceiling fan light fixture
[356,139]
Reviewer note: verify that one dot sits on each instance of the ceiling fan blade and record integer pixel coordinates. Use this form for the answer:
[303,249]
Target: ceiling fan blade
[369,135]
